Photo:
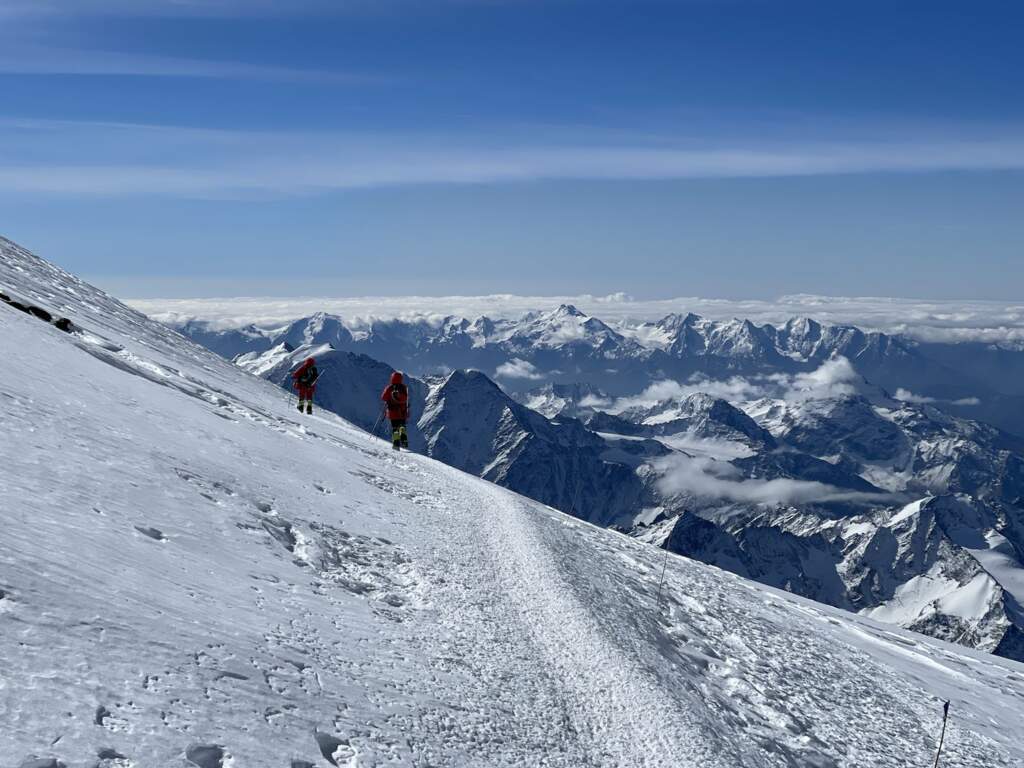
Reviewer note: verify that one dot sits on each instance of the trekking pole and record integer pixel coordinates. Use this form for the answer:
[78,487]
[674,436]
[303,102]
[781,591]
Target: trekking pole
[377,423]
[945,718]
[576,497]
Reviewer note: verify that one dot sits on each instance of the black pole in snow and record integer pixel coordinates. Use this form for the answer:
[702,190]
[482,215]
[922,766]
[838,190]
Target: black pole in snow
[942,738]
[664,565]
[576,497]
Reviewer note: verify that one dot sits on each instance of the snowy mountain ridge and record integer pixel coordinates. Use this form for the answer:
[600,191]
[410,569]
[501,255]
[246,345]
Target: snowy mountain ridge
[192,575]
[565,346]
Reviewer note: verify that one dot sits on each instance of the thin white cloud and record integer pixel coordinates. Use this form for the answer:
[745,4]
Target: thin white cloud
[343,168]
[713,447]
[735,388]
[595,401]
[708,479]
[833,378]
[950,320]
[254,164]
[58,61]
[906,396]
[518,369]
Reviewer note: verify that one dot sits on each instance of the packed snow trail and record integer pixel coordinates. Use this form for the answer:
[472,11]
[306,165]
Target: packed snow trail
[192,574]
[513,605]
[614,704]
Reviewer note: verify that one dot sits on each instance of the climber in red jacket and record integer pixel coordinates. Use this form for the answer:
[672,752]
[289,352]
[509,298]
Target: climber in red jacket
[304,379]
[396,400]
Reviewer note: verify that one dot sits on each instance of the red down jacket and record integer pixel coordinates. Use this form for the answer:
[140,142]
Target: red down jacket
[396,398]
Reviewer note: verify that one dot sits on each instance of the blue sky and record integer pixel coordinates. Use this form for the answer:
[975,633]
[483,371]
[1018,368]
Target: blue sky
[699,147]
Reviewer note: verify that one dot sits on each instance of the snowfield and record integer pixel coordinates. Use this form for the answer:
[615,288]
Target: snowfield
[194,574]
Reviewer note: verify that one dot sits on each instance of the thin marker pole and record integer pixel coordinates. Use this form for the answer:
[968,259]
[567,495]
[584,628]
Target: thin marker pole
[942,738]
[576,498]
[664,565]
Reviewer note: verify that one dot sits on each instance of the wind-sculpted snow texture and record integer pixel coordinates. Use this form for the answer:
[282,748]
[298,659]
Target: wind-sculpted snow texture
[192,576]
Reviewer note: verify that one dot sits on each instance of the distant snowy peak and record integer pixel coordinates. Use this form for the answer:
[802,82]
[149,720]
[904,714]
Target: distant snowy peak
[464,400]
[800,339]
[563,327]
[261,363]
[320,328]
[714,416]
[565,399]
[697,411]
[905,447]
[692,335]
[924,567]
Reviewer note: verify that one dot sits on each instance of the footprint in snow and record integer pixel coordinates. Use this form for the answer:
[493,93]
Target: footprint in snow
[153,533]
[42,762]
[335,751]
[206,755]
[111,758]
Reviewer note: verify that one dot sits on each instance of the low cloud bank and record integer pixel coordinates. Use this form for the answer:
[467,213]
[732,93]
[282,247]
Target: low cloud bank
[833,378]
[712,480]
[518,369]
[906,396]
[733,389]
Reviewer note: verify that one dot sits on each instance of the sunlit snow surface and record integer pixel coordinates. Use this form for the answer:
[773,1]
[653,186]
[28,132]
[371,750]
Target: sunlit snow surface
[192,570]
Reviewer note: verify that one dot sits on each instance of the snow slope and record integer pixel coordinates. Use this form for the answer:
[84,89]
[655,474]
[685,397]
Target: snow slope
[191,575]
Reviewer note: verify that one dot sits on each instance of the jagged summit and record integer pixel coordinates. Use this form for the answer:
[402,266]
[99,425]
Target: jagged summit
[567,310]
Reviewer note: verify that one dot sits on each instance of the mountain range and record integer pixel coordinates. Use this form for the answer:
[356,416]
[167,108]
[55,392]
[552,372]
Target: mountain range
[194,574]
[566,346]
[811,479]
